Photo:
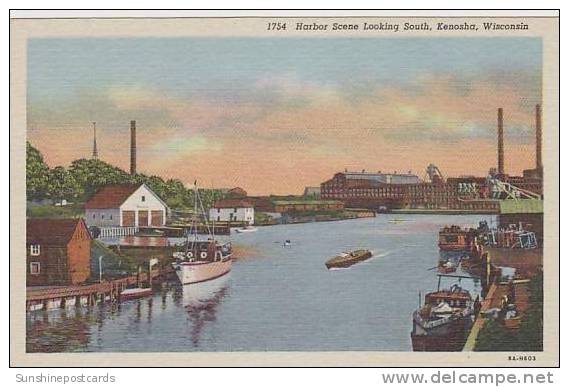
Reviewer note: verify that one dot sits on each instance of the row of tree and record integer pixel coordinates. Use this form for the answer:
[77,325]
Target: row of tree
[84,177]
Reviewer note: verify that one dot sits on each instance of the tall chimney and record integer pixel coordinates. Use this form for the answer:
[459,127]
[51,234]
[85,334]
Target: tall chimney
[132,147]
[500,141]
[538,164]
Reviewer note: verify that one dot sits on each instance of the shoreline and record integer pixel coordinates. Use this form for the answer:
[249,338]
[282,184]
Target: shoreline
[424,211]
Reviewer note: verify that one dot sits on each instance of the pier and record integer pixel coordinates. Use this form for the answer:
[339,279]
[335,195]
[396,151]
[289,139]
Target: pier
[493,300]
[55,297]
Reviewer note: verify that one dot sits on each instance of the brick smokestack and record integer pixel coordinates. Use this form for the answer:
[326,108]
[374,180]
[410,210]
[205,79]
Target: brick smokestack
[538,164]
[500,141]
[132,147]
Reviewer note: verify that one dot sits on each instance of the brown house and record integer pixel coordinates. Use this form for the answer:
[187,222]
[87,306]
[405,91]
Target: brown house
[58,252]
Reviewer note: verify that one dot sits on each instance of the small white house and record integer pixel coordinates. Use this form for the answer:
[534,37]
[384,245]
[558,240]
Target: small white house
[125,206]
[232,210]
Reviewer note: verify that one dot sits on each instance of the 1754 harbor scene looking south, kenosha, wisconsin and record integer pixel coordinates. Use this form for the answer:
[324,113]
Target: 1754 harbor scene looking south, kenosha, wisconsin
[241,194]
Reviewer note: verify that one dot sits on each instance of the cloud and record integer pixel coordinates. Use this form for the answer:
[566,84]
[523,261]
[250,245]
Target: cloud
[285,132]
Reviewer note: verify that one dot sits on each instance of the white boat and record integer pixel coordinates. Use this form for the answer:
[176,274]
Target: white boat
[130,294]
[200,270]
[246,229]
[201,260]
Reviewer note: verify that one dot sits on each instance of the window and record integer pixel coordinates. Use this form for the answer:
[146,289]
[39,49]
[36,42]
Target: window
[111,217]
[93,216]
[143,198]
[102,216]
[35,250]
[34,267]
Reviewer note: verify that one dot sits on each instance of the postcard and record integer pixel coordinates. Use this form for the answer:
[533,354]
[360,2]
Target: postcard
[242,188]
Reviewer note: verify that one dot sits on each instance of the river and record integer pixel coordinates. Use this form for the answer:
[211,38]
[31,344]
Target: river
[276,298]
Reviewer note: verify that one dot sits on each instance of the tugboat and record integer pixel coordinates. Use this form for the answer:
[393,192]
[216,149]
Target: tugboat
[444,321]
[456,238]
[348,259]
[201,260]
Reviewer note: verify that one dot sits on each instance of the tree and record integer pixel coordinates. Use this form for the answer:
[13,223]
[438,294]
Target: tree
[85,177]
[36,173]
[92,174]
[62,185]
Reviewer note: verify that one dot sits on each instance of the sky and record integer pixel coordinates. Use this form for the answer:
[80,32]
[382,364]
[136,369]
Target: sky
[273,115]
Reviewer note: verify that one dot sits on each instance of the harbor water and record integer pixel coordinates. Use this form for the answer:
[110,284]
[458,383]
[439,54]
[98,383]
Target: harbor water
[276,298]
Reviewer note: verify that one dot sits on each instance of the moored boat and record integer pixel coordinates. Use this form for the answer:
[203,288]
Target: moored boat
[444,321]
[457,238]
[204,261]
[130,294]
[348,259]
[246,229]
[447,267]
[201,260]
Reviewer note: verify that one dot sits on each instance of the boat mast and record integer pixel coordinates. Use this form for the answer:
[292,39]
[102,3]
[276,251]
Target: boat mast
[204,215]
[193,226]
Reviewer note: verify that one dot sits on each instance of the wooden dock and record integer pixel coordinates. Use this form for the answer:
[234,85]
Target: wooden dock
[493,300]
[179,229]
[55,297]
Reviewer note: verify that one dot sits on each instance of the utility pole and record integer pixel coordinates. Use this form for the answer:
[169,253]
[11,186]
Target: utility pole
[100,269]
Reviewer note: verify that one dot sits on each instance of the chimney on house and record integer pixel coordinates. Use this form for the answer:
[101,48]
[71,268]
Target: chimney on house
[132,147]
[500,141]
[538,164]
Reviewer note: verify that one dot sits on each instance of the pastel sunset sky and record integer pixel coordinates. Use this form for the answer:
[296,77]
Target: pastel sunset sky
[276,115]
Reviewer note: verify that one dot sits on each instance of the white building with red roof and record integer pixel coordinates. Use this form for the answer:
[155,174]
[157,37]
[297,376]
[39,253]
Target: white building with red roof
[232,210]
[125,206]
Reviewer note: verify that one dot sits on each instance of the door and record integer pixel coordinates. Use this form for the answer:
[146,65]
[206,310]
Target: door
[157,218]
[143,218]
[128,218]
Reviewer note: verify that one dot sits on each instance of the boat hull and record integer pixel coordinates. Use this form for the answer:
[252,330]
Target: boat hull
[132,294]
[344,262]
[245,230]
[196,272]
[455,247]
[449,337]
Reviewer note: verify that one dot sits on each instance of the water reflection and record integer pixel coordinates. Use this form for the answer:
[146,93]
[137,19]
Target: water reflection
[201,301]
[283,299]
[58,331]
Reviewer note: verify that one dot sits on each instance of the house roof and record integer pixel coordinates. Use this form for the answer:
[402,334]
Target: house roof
[111,196]
[232,203]
[237,192]
[50,231]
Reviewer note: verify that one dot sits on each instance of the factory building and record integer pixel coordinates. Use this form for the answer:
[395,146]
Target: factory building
[378,190]
[368,190]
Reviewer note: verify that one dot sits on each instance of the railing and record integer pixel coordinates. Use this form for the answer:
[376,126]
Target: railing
[109,232]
